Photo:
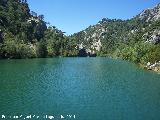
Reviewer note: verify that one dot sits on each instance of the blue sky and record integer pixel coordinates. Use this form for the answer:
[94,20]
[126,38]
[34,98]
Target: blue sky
[73,16]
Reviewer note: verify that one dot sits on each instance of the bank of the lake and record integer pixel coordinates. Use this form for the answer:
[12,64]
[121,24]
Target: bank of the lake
[150,67]
[147,66]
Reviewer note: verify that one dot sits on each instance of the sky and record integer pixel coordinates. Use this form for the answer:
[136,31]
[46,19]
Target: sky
[72,16]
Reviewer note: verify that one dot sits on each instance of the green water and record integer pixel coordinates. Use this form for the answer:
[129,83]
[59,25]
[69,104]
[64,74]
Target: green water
[89,88]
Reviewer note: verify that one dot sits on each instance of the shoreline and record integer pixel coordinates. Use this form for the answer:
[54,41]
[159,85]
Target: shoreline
[149,67]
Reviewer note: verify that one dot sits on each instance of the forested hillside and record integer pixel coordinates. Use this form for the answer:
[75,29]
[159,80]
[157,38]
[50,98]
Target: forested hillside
[136,39]
[24,34]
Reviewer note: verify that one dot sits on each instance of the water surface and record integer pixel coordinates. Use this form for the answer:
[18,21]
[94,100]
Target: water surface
[90,88]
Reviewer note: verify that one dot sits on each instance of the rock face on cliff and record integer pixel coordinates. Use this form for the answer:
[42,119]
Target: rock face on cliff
[153,36]
[155,66]
[150,14]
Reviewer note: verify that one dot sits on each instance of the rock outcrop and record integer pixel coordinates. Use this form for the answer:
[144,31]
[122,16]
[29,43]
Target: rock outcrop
[153,36]
[150,14]
[154,67]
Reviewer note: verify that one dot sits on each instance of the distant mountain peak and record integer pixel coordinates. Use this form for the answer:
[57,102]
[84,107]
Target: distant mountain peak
[151,14]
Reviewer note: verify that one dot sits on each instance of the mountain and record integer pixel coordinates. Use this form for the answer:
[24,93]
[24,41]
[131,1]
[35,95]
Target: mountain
[136,39]
[108,32]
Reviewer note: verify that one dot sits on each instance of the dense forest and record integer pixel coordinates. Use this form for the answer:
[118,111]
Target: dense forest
[25,34]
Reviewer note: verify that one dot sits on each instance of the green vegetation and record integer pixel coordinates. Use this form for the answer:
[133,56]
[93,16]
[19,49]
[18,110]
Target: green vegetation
[24,34]
[137,48]
[128,39]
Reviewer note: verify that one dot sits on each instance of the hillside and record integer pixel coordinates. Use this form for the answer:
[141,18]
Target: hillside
[24,33]
[136,39]
[110,31]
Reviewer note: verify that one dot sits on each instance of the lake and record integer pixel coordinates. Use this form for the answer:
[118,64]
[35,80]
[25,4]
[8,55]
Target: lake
[84,88]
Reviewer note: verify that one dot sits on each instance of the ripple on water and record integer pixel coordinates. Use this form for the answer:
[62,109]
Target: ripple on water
[92,88]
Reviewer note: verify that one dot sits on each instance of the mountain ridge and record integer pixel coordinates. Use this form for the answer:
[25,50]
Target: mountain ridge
[136,39]
[149,15]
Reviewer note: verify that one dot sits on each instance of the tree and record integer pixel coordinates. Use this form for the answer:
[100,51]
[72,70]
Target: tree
[41,49]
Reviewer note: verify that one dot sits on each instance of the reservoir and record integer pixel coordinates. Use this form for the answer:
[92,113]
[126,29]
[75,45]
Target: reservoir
[89,88]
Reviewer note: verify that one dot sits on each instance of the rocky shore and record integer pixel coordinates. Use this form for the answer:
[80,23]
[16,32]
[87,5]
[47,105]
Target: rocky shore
[155,67]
